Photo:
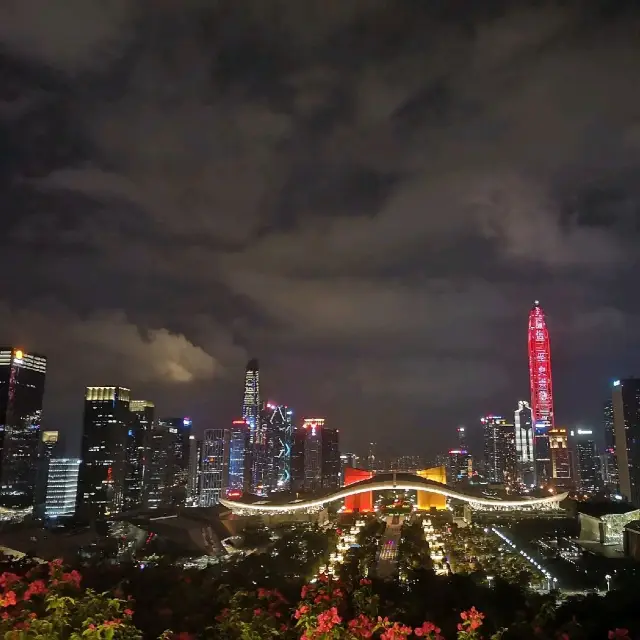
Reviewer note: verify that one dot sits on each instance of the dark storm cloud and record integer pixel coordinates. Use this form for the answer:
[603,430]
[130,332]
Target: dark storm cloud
[365,194]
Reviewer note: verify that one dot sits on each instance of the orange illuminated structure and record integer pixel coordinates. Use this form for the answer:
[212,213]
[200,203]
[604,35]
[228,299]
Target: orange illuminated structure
[426,499]
[359,502]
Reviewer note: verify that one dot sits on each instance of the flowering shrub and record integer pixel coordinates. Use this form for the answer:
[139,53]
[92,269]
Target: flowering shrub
[50,603]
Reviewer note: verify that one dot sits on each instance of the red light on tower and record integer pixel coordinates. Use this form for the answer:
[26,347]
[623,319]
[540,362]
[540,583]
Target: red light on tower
[540,368]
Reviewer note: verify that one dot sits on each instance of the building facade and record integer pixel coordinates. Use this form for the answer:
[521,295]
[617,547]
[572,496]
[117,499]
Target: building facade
[321,455]
[239,468]
[610,459]
[587,461]
[195,470]
[499,449]
[158,482]
[177,480]
[626,418]
[214,478]
[22,381]
[106,424]
[525,443]
[561,458]
[49,448]
[62,487]
[542,405]
[138,453]
[278,426]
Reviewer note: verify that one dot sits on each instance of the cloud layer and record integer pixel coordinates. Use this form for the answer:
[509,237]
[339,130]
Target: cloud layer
[367,196]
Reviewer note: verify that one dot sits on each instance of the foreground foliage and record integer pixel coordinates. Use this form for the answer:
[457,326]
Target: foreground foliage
[47,601]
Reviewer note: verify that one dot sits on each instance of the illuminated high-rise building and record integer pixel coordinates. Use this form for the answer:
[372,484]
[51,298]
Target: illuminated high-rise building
[22,379]
[138,452]
[541,390]
[297,459]
[561,458]
[50,447]
[587,461]
[214,478]
[62,487]
[610,459]
[626,418]
[251,406]
[195,471]
[177,472]
[238,454]
[499,449]
[106,425]
[278,427]
[523,421]
[458,466]
[251,400]
[321,455]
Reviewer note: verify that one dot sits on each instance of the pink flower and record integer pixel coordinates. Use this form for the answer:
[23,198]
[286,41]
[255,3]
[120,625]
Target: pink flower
[7,579]
[364,582]
[128,612]
[362,626]
[396,632]
[426,629]
[9,599]
[618,633]
[257,612]
[328,619]
[301,611]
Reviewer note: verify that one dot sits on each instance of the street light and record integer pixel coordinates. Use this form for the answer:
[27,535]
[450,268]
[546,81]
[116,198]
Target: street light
[555,583]
[608,579]
[489,579]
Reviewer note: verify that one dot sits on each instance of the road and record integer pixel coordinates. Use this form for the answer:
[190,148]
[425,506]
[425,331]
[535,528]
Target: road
[387,560]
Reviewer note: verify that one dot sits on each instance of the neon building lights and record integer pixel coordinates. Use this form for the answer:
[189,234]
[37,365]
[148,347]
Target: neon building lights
[541,389]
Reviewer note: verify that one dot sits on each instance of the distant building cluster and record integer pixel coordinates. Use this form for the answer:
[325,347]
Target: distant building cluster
[132,459]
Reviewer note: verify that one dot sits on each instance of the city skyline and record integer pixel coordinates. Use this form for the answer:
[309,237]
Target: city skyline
[368,219]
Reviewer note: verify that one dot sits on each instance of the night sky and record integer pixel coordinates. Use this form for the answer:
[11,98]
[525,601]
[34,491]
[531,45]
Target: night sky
[365,195]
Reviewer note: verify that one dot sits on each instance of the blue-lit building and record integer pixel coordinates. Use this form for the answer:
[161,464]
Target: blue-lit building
[238,456]
[278,426]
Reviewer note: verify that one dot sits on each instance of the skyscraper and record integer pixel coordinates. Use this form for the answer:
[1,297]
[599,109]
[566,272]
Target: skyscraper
[158,478]
[62,487]
[321,455]
[626,417]
[177,472]
[106,425]
[22,379]
[499,449]
[330,458]
[138,452]
[48,448]
[215,466]
[195,468]
[238,454]
[525,444]
[297,459]
[610,460]
[586,460]
[251,401]
[541,390]
[561,458]
[278,422]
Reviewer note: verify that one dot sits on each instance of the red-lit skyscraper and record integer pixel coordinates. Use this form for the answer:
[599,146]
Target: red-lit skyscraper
[541,390]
